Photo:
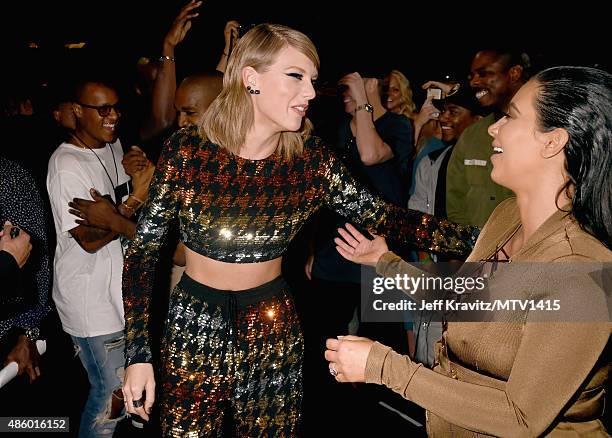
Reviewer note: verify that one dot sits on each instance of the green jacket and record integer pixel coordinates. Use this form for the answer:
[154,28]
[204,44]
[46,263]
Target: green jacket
[471,195]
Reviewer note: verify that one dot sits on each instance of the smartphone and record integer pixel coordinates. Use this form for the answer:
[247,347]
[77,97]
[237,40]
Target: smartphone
[434,93]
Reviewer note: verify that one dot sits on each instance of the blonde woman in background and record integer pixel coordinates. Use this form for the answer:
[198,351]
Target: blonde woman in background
[399,95]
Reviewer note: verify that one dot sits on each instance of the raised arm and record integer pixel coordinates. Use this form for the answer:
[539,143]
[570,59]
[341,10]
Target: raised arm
[428,112]
[164,87]
[371,147]
[230,34]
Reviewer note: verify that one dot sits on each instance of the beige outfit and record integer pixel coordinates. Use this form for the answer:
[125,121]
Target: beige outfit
[515,376]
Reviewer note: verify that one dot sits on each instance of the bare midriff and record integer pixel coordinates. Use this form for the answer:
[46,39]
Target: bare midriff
[230,276]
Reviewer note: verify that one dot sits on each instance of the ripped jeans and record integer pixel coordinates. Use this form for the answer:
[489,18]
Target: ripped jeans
[103,359]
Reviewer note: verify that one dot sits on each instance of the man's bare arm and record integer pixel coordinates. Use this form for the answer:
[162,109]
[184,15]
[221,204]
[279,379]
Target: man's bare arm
[91,239]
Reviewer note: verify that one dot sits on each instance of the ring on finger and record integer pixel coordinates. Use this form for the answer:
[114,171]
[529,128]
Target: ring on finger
[137,403]
[332,370]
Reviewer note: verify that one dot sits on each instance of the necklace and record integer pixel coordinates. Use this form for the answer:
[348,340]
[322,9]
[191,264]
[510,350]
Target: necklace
[101,163]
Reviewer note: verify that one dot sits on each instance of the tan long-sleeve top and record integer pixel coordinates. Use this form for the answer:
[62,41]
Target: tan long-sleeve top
[516,376]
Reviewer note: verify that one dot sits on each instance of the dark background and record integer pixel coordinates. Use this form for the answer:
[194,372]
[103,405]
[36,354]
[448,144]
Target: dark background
[424,40]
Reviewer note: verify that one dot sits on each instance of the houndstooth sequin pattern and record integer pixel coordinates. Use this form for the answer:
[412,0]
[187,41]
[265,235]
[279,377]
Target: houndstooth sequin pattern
[242,360]
[245,211]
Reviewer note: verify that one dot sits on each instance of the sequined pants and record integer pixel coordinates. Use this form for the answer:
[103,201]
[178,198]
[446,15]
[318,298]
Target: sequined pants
[236,354]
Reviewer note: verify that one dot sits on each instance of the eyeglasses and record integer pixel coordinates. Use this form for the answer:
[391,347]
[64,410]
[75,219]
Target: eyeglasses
[103,110]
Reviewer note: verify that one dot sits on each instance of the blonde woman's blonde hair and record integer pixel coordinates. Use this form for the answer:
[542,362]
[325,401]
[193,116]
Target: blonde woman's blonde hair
[231,115]
[407,106]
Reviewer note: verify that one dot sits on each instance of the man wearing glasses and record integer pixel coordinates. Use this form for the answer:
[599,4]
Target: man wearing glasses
[89,259]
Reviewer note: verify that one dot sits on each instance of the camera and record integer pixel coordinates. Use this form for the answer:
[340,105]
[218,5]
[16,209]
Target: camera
[434,93]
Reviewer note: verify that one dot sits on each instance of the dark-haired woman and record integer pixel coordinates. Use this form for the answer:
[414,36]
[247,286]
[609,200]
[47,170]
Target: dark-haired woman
[523,372]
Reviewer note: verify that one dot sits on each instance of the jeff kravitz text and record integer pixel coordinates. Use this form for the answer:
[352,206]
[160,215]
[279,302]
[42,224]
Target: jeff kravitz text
[477,305]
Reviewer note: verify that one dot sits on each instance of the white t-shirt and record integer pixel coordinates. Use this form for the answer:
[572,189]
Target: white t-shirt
[86,287]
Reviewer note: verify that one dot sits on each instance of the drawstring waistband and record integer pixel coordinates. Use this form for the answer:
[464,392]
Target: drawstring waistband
[232,316]
[243,298]
[232,301]
[232,325]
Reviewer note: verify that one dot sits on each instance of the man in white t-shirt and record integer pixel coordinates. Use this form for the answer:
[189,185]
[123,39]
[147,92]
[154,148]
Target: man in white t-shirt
[89,260]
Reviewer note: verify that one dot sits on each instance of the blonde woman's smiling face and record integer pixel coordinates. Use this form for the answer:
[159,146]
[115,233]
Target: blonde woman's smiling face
[285,88]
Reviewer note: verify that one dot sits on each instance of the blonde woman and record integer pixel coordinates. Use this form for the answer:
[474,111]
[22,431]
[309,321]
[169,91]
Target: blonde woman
[400,101]
[241,187]
[399,95]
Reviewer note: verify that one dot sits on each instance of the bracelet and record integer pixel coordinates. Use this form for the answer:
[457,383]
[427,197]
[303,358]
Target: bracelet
[32,333]
[166,58]
[125,205]
[454,89]
[139,200]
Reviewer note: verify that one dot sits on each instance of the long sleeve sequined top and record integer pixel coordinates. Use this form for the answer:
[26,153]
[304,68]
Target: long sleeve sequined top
[245,211]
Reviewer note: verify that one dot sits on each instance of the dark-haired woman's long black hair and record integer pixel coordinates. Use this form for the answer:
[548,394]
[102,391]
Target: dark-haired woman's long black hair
[579,100]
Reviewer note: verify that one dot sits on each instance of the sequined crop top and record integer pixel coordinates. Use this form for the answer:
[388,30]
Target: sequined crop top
[243,211]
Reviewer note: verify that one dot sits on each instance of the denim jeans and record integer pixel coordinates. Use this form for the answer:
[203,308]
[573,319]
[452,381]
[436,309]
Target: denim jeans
[103,359]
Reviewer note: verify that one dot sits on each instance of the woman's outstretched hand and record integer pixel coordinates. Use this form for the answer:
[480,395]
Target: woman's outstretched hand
[357,248]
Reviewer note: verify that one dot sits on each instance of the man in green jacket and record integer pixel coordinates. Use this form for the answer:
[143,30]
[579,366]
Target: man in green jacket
[471,195]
